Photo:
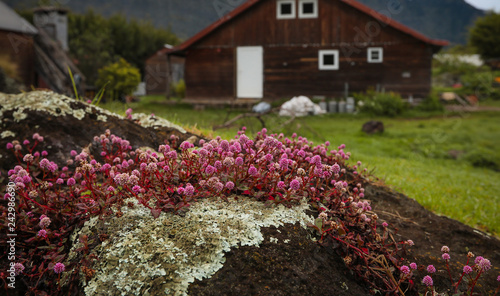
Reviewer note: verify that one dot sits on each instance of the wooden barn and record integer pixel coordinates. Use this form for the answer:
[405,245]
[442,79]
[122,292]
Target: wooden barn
[39,52]
[270,49]
[17,44]
[163,70]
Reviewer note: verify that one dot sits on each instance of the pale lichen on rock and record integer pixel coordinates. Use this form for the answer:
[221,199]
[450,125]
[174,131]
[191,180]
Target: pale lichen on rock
[6,134]
[154,122]
[60,105]
[147,256]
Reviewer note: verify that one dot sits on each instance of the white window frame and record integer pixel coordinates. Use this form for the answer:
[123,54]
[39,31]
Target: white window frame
[321,56]
[279,15]
[380,51]
[314,14]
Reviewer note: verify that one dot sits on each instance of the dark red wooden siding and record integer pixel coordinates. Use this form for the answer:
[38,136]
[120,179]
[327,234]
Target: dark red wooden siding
[291,54]
[21,51]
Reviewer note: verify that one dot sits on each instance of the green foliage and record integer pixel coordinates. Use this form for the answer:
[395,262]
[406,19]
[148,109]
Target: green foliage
[121,78]
[460,49]
[450,65]
[381,104]
[483,158]
[431,103]
[482,83]
[96,41]
[179,89]
[485,36]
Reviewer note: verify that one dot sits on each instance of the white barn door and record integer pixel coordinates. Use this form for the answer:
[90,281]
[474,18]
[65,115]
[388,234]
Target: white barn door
[250,72]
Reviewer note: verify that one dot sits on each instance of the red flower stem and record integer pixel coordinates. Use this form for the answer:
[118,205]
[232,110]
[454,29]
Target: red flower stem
[497,290]
[449,272]
[474,282]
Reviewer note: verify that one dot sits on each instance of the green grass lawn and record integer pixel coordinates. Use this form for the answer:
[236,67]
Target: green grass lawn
[413,155]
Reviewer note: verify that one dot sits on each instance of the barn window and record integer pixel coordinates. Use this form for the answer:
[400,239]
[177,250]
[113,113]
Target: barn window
[328,60]
[308,8]
[375,55]
[285,9]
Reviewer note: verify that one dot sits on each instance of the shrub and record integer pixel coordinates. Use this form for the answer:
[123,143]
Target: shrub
[119,78]
[431,103]
[483,158]
[482,83]
[381,104]
[179,89]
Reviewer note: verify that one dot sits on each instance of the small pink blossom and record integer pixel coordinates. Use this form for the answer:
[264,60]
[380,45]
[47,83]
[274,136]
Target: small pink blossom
[18,268]
[405,269]
[209,170]
[445,249]
[42,233]
[252,171]
[45,222]
[28,158]
[136,189]
[427,280]
[445,256]
[295,185]
[230,185]
[59,267]
[431,269]
[189,190]
[467,269]
[186,145]
[413,265]
[484,265]
[71,182]
[284,164]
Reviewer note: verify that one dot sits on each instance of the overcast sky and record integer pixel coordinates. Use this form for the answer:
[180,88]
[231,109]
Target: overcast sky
[485,4]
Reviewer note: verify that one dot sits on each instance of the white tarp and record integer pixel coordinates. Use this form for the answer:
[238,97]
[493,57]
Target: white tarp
[300,106]
[262,107]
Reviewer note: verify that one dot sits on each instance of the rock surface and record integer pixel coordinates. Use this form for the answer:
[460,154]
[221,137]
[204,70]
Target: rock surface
[279,258]
[373,127]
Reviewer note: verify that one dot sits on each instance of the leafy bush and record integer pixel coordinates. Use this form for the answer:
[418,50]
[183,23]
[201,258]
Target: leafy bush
[119,78]
[431,103]
[482,83]
[179,89]
[381,104]
[9,75]
[483,158]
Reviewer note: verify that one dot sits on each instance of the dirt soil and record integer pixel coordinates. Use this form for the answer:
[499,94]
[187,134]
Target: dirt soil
[301,266]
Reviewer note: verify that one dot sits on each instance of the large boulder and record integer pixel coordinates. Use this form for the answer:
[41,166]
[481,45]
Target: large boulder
[235,247]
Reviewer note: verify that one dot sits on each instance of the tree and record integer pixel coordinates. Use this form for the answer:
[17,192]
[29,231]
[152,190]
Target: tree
[90,43]
[95,41]
[119,78]
[485,36]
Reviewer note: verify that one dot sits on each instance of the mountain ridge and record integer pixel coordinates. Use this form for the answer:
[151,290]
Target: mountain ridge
[444,19]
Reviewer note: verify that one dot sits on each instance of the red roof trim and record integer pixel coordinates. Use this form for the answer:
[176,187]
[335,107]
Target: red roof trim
[238,10]
[363,8]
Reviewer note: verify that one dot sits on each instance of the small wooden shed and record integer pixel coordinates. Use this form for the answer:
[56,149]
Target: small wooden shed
[17,43]
[163,70]
[282,48]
